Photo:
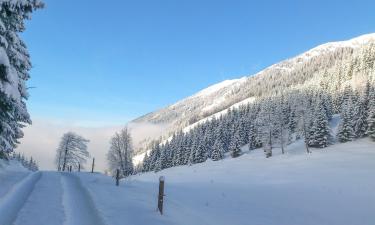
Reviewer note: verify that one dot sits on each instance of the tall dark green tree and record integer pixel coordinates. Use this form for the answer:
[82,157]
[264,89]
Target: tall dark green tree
[14,70]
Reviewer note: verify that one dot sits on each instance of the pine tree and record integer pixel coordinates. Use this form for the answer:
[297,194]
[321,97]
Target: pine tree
[14,71]
[371,115]
[253,141]
[345,130]
[162,160]
[217,150]
[361,110]
[154,155]
[200,152]
[322,134]
[146,163]
[235,146]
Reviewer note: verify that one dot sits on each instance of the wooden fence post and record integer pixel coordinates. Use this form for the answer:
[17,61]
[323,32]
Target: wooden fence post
[93,164]
[117,177]
[70,168]
[79,167]
[161,194]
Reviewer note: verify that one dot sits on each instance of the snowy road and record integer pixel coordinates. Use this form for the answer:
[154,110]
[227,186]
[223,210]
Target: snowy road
[79,208]
[53,199]
[44,205]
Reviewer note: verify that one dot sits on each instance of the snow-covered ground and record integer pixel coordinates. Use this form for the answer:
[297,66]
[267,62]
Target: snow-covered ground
[331,186]
[10,173]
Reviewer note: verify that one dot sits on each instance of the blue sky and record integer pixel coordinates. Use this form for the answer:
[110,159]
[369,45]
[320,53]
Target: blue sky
[106,62]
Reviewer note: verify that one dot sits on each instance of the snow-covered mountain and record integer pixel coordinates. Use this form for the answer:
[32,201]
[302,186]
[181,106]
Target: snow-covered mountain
[216,99]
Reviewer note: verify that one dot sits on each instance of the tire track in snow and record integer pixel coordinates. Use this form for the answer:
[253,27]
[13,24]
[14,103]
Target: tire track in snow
[14,200]
[44,205]
[79,207]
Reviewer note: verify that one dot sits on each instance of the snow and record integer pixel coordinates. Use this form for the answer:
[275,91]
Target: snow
[139,157]
[79,207]
[331,186]
[13,201]
[216,87]
[10,88]
[217,96]
[324,48]
[45,197]
[11,172]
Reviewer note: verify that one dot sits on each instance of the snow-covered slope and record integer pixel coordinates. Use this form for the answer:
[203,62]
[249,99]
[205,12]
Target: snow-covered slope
[331,186]
[219,97]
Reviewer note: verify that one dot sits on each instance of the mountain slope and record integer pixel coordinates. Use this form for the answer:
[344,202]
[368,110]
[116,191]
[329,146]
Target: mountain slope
[286,74]
[331,186]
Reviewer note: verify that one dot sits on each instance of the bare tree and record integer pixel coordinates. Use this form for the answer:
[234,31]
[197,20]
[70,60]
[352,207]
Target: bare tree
[120,153]
[72,151]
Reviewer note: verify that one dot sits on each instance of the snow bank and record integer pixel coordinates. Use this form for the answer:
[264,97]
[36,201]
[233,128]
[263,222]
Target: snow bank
[13,201]
[11,172]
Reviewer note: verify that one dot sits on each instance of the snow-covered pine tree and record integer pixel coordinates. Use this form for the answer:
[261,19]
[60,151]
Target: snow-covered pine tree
[303,126]
[361,111]
[235,145]
[345,131]
[281,130]
[154,155]
[200,154]
[266,123]
[292,122]
[145,163]
[322,134]
[72,151]
[162,160]
[217,150]
[371,115]
[14,71]
[254,142]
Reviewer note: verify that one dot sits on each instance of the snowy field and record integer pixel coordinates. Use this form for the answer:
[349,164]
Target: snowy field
[331,186]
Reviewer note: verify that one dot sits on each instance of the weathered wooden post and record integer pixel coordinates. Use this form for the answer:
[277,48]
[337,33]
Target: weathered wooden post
[79,167]
[93,164]
[117,177]
[70,168]
[161,194]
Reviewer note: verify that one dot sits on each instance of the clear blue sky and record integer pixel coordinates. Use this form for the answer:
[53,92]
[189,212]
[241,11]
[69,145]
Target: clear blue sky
[106,62]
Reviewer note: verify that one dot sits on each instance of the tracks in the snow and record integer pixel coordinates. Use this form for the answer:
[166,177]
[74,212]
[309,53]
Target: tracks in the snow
[79,207]
[49,198]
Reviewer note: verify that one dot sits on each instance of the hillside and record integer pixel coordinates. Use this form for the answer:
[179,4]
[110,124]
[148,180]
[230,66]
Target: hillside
[331,186]
[299,71]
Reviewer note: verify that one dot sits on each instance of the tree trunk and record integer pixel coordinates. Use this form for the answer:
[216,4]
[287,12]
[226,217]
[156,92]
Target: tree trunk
[66,152]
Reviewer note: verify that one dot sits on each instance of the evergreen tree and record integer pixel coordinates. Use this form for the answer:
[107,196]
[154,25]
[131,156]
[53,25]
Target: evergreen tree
[235,146]
[200,152]
[217,152]
[371,115]
[345,130]
[254,142]
[14,71]
[154,156]
[146,163]
[361,110]
[322,134]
